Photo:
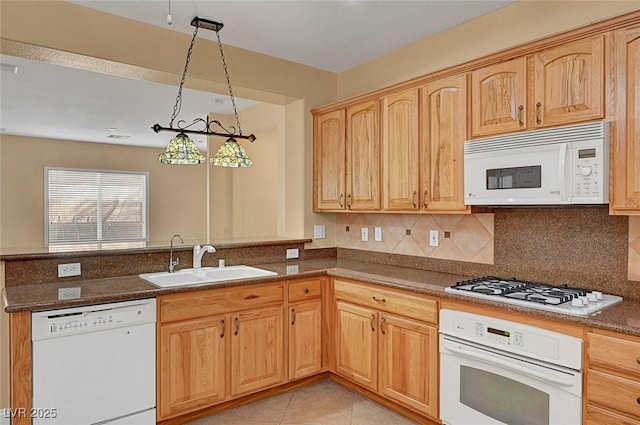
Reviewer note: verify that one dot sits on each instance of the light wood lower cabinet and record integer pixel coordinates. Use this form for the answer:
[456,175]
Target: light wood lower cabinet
[192,364]
[257,350]
[305,339]
[211,350]
[613,379]
[391,349]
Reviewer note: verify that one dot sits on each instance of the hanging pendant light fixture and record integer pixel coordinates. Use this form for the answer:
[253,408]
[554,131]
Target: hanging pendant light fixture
[181,149]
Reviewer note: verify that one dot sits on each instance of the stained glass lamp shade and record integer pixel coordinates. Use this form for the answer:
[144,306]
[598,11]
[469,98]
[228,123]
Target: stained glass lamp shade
[231,154]
[181,150]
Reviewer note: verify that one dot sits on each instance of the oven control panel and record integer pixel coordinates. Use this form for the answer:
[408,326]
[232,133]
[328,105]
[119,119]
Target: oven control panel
[513,337]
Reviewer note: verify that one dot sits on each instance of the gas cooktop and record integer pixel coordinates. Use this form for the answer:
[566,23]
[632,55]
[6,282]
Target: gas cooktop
[558,299]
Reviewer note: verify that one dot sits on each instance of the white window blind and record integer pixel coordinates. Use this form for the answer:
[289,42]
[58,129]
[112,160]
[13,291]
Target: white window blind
[88,206]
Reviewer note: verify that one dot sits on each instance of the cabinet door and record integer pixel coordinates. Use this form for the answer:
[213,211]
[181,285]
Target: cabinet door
[305,339]
[192,365]
[444,130]
[357,344]
[363,156]
[400,150]
[409,363]
[257,350]
[625,152]
[329,161]
[498,98]
[568,83]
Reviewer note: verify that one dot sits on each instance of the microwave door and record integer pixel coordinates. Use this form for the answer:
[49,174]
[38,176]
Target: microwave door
[518,176]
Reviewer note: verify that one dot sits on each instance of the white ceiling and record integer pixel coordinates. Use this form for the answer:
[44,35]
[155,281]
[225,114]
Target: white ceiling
[73,104]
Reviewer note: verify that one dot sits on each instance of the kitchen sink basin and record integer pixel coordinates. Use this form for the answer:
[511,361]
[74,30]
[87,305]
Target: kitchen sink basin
[204,275]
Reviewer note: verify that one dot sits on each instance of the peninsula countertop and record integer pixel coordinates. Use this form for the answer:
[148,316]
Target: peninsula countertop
[623,317]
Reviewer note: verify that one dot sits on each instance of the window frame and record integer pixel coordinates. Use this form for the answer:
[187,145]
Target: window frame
[145,206]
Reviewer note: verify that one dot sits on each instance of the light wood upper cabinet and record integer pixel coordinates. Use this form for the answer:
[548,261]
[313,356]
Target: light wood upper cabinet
[329,161]
[625,146]
[568,83]
[498,98]
[400,122]
[347,158]
[363,156]
[192,365]
[444,130]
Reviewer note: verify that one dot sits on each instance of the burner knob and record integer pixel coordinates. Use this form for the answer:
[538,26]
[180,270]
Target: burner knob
[585,299]
[577,302]
[592,297]
[598,295]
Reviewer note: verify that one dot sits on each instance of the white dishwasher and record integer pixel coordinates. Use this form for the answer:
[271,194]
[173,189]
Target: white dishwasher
[95,364]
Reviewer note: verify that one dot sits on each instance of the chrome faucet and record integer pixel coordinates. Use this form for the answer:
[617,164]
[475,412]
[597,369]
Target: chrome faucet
[173,263]
[198,252]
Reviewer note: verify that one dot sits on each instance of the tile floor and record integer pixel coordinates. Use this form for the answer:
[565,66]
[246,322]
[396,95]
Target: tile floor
[322,403]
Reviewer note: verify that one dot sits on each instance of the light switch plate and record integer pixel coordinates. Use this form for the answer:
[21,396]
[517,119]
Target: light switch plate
[377,234]
[433,238]
[319,231]
[365,234]
[69,293]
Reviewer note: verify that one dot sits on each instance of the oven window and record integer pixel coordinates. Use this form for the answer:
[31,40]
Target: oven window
[514,178]
[503,399]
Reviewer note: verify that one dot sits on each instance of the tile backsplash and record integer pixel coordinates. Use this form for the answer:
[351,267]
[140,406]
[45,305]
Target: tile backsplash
[468,238]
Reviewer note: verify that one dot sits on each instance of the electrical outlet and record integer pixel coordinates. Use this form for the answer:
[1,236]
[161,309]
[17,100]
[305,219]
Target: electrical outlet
[319,231]
[292,269]
[69,269]
[433,238]
[69,293]
[377,234]
[365,234]
[293,253]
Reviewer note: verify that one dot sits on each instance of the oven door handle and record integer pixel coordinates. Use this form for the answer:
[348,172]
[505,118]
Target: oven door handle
[508,365]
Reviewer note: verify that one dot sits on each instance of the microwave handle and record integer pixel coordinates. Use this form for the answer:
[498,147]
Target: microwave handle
[562,177]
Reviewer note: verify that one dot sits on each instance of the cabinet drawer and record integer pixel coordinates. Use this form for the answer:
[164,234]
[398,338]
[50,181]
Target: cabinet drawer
[614,392]
[219,301]
[614,353]
[305,289]
[597,416]
[392,301]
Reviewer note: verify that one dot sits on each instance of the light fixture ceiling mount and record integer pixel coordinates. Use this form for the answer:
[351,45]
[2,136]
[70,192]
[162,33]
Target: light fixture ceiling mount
[181,149]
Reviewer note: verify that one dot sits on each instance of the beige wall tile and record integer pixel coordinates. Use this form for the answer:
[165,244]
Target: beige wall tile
[634,248]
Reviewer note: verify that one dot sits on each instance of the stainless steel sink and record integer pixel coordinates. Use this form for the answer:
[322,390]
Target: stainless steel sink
[204,275]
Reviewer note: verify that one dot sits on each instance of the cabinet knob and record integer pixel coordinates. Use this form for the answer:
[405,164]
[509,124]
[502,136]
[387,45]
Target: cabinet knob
[638,360]
[306,290]
[638,400]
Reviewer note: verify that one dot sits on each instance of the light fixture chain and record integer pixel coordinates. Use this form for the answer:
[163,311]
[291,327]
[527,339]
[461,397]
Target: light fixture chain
[178,105]
[226,74]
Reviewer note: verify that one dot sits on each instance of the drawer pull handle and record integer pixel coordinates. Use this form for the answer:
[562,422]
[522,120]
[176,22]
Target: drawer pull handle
[236,323]
[382,326]
[223,327]
[413,200]
[306,290]
[349,201]
[425,201]
[341,203]
[373,318]
[538,119]
[380,300]
[293,316]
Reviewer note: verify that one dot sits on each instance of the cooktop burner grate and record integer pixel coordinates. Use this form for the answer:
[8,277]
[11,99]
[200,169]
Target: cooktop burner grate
[561,298]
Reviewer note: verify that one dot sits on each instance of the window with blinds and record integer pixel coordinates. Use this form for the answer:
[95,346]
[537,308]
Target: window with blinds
[94,206]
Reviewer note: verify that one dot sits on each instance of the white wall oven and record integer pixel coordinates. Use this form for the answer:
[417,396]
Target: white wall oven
[495,372]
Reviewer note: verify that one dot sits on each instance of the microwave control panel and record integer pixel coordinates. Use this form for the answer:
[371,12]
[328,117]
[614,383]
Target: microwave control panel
[589,172]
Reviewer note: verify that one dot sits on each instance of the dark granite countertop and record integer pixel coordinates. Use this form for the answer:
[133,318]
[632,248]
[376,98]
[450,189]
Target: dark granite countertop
[623,317]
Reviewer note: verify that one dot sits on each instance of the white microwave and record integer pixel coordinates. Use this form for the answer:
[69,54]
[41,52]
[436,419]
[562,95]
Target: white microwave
[557,166]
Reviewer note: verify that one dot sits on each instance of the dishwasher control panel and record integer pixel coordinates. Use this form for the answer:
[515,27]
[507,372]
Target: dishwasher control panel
[71,321]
